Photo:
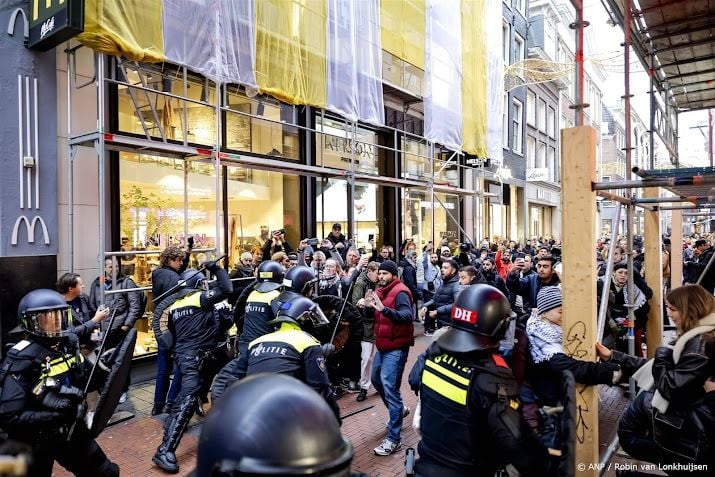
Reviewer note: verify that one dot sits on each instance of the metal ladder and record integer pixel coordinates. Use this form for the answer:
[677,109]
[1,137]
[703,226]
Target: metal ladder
[133,96]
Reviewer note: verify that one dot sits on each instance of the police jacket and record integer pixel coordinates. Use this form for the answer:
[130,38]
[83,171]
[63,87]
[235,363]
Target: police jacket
[393,325]
[127,305]
[444,298]
[471,422]
[193,321]
[33,403]
[258,314]
[294,352]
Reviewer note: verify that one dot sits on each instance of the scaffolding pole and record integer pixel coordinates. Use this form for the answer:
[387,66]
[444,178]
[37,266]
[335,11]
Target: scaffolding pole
[687,180]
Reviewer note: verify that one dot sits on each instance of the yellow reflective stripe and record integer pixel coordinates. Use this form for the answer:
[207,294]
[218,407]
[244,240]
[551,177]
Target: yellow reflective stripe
[260,297]
[444,388]
[59,366]
[191,300]
[290,334]
[450,374]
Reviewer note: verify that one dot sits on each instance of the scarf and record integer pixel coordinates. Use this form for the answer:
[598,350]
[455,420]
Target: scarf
[639,299]
[644,375]
[546,338]
[329,282]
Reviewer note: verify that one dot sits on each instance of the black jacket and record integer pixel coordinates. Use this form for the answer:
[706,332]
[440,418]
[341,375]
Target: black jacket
[127,305]
[443,299]
[409,276]
[492,278]
[528,287]
[163,279]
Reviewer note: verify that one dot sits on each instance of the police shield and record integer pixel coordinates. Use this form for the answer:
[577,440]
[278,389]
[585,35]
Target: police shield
[342,315]
[119,366]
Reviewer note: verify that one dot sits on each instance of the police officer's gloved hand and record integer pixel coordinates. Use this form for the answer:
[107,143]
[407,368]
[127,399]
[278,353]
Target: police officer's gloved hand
[211,266]
[72,392]
[61,404]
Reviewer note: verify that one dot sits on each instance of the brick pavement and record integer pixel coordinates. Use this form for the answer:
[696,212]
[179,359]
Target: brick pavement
[131,444]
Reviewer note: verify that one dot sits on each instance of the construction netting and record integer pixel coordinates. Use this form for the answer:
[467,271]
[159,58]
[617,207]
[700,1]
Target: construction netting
[323,53]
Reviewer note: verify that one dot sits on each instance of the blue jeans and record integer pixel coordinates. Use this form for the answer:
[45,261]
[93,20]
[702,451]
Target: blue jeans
[387,369]
[163,393]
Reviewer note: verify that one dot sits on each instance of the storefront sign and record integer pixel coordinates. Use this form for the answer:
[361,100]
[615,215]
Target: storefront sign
[474,161]
[344,146]
[54,21]
[537,174]
[541,194]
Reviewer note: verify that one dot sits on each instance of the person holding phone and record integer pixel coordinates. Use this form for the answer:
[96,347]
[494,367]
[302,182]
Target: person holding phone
[277,243]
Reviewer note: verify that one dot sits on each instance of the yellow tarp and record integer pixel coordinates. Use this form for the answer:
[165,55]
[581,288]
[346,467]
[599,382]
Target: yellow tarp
[291,50]
[130,28]
[474,77]
[402,30]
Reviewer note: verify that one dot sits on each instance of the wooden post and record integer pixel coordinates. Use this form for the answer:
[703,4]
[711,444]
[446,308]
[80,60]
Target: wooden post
[578,205]
[653,274]
[676,249]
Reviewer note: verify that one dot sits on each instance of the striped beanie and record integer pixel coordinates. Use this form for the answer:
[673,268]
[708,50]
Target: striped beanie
[548,299]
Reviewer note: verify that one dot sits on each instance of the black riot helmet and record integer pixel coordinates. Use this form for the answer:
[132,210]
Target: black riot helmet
[44,313]
[302,311]
[193,278]
[479,318]
[300,279]
[272,424]
[270,276]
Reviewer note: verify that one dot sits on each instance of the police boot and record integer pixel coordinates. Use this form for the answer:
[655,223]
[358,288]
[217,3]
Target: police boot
[173,435]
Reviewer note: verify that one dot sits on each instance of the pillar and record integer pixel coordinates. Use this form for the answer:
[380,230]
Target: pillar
[653,273]
[578,158]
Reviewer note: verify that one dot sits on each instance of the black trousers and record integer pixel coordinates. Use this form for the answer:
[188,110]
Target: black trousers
[81,456]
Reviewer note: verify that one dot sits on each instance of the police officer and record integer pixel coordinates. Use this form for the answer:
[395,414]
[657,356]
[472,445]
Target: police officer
[292,350]
[300,280]
[258,312]
[40,391]
[294,432]
[196,331]
[471,424]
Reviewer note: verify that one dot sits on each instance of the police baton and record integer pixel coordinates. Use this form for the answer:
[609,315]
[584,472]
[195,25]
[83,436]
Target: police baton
[181,283]
[356,412]
[94,367]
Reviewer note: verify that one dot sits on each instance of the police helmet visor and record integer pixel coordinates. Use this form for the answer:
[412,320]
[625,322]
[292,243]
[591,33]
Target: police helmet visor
[314,316]
[49,323]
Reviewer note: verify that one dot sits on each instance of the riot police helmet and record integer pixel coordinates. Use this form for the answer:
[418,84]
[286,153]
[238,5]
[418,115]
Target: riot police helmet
[479,319]
[272,424]
[270,276]
[302,311]
[193,278]
[44,313]
[300,279]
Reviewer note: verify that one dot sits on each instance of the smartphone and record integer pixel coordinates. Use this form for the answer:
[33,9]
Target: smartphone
[370,237]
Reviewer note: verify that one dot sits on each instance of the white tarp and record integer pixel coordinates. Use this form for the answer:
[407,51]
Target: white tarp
[354,60]
[216,38]
[495,80]
[443,73]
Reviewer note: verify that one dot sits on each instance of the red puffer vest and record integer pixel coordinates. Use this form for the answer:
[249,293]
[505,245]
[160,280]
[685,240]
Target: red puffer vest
[390,335]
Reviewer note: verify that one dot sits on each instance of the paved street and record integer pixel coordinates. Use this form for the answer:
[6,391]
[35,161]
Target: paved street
[131,444]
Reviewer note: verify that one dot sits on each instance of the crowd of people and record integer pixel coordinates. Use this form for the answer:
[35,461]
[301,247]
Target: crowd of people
[343,322]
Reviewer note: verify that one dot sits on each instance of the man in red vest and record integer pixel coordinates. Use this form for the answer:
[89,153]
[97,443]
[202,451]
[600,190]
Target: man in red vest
[394,334]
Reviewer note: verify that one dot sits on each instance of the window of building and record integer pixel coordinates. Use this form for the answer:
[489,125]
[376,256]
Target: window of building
[506,42]
[551,163]
[541,155]
[518,48]
[505,122]
[551,122]
[516,121]
[338,148]
[542,115]
[520,5]
[417,218]
[531,108]
[550,39]
[530,152]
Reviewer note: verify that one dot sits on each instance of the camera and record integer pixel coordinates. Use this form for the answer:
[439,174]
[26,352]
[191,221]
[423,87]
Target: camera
[312,242]
[279,231]
[465,246]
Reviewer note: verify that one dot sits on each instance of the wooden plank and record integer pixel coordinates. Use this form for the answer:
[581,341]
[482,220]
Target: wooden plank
[676,249]
[578,165]
[653,273]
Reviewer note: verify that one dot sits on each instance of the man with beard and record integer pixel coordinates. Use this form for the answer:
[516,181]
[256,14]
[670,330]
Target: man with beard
[394,334]
[528,287]
[491,276]
[439,308]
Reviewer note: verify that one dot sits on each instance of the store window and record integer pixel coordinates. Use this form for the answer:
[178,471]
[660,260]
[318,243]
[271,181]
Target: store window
[415,161]
[260,202]
[338,148]
[417,223]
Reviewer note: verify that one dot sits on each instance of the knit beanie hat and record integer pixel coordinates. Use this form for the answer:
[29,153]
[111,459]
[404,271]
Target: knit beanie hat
[620,265]
[548,299]
[389,266]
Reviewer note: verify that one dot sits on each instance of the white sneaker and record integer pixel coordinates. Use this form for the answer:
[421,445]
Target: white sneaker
[123,398]
[387,447]
[405,412]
